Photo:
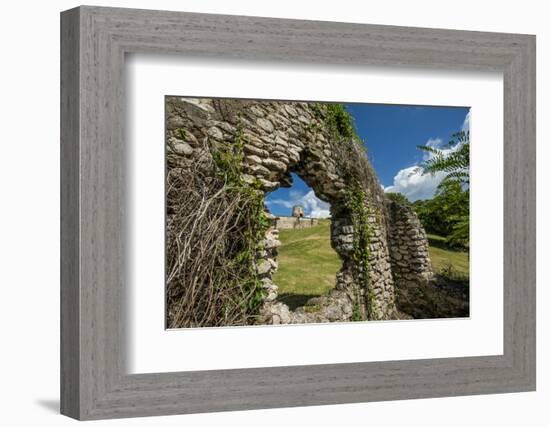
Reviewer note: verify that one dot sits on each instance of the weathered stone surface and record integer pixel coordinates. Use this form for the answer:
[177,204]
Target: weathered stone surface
[347,229]
[293,155]
[268,185]
[304,120]
[226,127]
[253,159]
[263,268]
[280,313]
[280,138]
[252,149]
[290,222]
[290,110]
[249,179]
[271,289]
[257,111]
[271,243]
[274,165]
[180,147]
[258,169]
[265,124]
[215,133]
[411,264]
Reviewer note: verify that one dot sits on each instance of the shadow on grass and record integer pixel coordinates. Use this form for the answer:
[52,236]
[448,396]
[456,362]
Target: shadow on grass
[439,242]
[295,300]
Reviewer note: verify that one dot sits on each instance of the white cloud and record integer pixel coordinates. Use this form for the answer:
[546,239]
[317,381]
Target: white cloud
[433,143]
[295,194]
[412,183]
[466,124]
[280,202]
[313,206]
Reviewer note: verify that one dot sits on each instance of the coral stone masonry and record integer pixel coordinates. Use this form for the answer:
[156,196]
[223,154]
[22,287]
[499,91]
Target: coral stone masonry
[280,138]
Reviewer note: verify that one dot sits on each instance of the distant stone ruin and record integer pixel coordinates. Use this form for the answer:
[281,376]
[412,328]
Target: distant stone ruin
[293,222]
[298,211]
[280,138]
[296,221]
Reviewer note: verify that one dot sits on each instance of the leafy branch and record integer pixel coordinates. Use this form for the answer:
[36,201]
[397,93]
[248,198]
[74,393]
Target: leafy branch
[456,163]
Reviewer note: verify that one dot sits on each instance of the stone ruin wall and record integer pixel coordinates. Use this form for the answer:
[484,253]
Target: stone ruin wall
[416,293]
[280,138]
[292,222]
[408,246]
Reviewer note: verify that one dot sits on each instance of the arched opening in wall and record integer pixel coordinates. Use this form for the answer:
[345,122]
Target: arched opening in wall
[226,263]
[307,264]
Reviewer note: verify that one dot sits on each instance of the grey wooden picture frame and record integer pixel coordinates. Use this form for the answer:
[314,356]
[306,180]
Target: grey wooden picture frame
[94,382]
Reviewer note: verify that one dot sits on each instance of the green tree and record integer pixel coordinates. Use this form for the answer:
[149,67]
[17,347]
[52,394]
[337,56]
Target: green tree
[448,212]
[399,198]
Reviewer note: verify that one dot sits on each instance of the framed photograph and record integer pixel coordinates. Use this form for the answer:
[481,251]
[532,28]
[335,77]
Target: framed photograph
[262,213]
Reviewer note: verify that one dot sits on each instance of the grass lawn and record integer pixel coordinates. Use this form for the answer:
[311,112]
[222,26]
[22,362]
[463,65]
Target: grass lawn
[445,259]
[307,264]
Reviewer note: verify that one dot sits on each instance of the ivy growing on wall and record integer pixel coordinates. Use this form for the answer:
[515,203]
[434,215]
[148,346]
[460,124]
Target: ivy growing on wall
[229,162]
[216,225]
[356,203]
[340,125]
[218,218]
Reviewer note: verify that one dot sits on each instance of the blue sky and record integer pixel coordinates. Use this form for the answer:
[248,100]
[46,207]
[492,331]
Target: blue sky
[391,134]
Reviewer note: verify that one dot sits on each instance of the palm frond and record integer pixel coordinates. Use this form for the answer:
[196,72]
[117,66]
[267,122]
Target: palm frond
[456,163]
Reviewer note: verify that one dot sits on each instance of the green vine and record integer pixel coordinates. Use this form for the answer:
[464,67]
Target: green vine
[357,314]
[356,202]
[229,160]
[339,120]
[336,119]
[341,128]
